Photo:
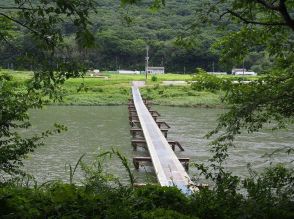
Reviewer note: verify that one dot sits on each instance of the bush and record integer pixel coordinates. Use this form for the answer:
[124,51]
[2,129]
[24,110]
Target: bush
[151,197]
[160,92]
[165,214]
[204,81]
[200,71]
[56,201]
[154,78]
[266,195]
[269,195]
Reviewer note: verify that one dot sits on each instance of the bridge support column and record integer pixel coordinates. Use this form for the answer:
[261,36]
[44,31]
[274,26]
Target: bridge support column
[138,160]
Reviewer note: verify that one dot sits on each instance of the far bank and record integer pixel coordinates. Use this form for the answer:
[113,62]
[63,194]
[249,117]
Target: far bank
[114,89]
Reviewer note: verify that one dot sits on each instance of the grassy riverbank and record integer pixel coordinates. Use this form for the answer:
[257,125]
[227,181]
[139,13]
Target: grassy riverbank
[114,89]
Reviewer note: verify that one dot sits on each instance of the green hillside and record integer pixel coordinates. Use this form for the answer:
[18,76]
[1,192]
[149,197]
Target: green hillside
[121,44]
[122,34]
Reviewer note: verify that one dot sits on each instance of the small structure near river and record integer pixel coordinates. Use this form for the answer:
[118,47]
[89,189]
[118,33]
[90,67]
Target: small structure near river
[242,71]
[155,70]
[130,72]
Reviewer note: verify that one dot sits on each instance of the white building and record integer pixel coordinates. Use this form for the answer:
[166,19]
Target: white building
[155,70]
[96,71]
[242,71]
[128,72]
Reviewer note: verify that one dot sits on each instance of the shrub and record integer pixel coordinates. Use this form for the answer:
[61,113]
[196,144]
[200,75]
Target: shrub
[200,71]
[268,195]
[151,197]
[160,92]
[204,81]
[165,214]
[149,90]
[154,78]
[56,201]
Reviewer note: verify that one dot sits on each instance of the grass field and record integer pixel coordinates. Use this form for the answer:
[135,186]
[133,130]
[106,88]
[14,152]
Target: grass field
[114,89]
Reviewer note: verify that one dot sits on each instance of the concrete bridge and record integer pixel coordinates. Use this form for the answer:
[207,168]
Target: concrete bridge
[148,132]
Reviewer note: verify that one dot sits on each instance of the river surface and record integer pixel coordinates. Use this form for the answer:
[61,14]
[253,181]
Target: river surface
[96,129]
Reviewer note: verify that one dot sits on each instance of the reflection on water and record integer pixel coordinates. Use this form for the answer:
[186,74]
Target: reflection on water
[93,129]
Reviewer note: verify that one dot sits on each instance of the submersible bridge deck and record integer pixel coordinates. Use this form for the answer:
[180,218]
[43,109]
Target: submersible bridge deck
[150,133]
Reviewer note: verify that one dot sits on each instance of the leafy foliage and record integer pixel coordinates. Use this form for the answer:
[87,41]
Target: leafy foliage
[154,78]
[41,21]
[13,116]
[268,195]
[259,102]
[204,81]
[263,27]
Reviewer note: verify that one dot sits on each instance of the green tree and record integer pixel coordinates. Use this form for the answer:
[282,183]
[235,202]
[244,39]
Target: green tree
[267,25]
[41,21]
[269,101]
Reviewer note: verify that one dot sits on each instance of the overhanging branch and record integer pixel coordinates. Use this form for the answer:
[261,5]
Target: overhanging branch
[15,8]
[47,39]
[21,24]
[256,22]
[284,12]
[268,5]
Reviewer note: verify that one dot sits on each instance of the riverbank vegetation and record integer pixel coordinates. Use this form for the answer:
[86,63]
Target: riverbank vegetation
[265,195]
[114,89]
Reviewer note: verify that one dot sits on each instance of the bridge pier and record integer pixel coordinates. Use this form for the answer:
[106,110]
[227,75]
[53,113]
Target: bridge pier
[138,160]
[135,117]
[142,143]
[160,124]
[139,131]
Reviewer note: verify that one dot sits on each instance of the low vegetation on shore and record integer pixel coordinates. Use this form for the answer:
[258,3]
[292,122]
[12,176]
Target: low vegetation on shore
[268,195]
[114,89]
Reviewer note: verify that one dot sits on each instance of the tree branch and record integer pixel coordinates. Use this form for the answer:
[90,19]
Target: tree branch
[18,22]
[15,8]
[256,22]
[223,14]
[284,12]
[268,5]
[281,8]
[47,39]
[10,44]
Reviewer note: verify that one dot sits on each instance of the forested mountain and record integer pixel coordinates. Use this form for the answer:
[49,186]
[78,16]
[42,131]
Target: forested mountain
[123,45]
[122,34]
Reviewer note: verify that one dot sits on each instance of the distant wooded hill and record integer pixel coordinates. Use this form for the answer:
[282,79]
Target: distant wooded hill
[122,45]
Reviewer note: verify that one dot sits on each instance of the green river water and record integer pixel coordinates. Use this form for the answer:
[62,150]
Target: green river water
[94,129]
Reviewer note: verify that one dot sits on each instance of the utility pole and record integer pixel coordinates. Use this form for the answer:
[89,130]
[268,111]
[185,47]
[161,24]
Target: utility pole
[213,66]
[243,68]
[147,62]
[116,63]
